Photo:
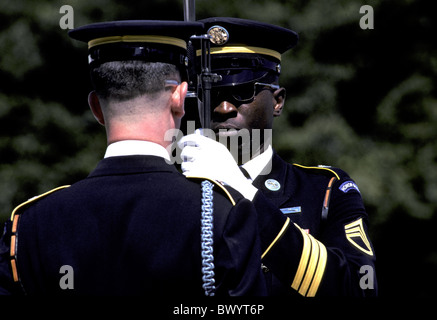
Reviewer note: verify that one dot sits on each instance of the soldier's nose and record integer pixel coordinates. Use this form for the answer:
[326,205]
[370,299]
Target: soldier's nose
[225,108]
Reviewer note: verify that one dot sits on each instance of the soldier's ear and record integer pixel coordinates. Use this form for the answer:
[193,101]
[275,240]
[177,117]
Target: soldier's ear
[96,108]
[178,99]
[279,96]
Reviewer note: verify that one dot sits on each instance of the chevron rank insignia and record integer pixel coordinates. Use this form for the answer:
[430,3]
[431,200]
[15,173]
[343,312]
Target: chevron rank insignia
[357,236]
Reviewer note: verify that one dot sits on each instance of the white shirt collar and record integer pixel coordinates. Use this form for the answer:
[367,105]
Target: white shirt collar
[261,164]
[136,147]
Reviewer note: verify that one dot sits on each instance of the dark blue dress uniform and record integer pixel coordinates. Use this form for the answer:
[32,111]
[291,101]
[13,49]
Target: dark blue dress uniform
[322,247]
[312,221]
[133,226]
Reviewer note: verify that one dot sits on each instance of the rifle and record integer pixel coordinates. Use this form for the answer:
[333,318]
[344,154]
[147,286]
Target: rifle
[205,78]
[204,84]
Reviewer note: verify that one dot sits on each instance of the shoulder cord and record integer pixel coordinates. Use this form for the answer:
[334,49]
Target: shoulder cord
[326,201]
[207,224]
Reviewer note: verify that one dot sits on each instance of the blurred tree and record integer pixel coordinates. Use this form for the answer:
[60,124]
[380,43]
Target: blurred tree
[361,100]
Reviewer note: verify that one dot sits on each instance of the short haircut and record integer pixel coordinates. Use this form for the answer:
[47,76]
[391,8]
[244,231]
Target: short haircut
[124,80]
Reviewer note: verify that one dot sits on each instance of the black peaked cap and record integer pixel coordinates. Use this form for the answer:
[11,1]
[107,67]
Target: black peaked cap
[245,51]
[146,40]
[176,29]
[254,33]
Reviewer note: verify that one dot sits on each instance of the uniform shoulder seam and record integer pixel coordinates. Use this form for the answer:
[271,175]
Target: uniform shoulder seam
[318,168]
[33,199]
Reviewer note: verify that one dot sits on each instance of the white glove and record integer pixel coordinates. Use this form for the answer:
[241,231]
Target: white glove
[206,158]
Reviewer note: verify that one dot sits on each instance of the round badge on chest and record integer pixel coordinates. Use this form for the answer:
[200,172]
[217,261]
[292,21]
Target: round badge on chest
[272,185]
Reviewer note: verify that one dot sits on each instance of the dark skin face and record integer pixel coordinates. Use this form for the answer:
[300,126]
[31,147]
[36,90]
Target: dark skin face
[258,114]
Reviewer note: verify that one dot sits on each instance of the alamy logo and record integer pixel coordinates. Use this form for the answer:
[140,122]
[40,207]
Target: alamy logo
[367,280]
[366,21]
[67,20]
[67,280]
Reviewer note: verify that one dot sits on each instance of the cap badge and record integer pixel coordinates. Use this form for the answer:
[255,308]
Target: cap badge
[219,35]
[272,184]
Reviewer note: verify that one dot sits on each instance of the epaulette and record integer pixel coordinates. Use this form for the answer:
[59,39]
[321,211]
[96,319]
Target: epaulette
[227,192]
[33,199]
[14,218]
[320,169]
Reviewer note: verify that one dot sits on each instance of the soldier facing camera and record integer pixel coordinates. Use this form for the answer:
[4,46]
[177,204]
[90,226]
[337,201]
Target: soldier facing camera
[312,220]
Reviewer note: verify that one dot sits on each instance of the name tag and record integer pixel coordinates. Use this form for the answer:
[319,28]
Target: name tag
[291,210]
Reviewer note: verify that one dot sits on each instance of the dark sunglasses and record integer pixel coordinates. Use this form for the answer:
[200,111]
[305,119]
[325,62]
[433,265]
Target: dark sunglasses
[242,93]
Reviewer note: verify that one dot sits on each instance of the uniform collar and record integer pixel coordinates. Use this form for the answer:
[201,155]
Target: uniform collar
[261,164]
[134,164]
[136,147]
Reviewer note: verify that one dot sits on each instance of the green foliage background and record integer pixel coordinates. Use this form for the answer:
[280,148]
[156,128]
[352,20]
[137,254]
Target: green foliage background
[361,100]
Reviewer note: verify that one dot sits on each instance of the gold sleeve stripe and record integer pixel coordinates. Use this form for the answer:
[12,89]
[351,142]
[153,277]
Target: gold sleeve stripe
[138,38]
[320,270]
[311,266]
[303,260]
[284,227]
[311,269]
